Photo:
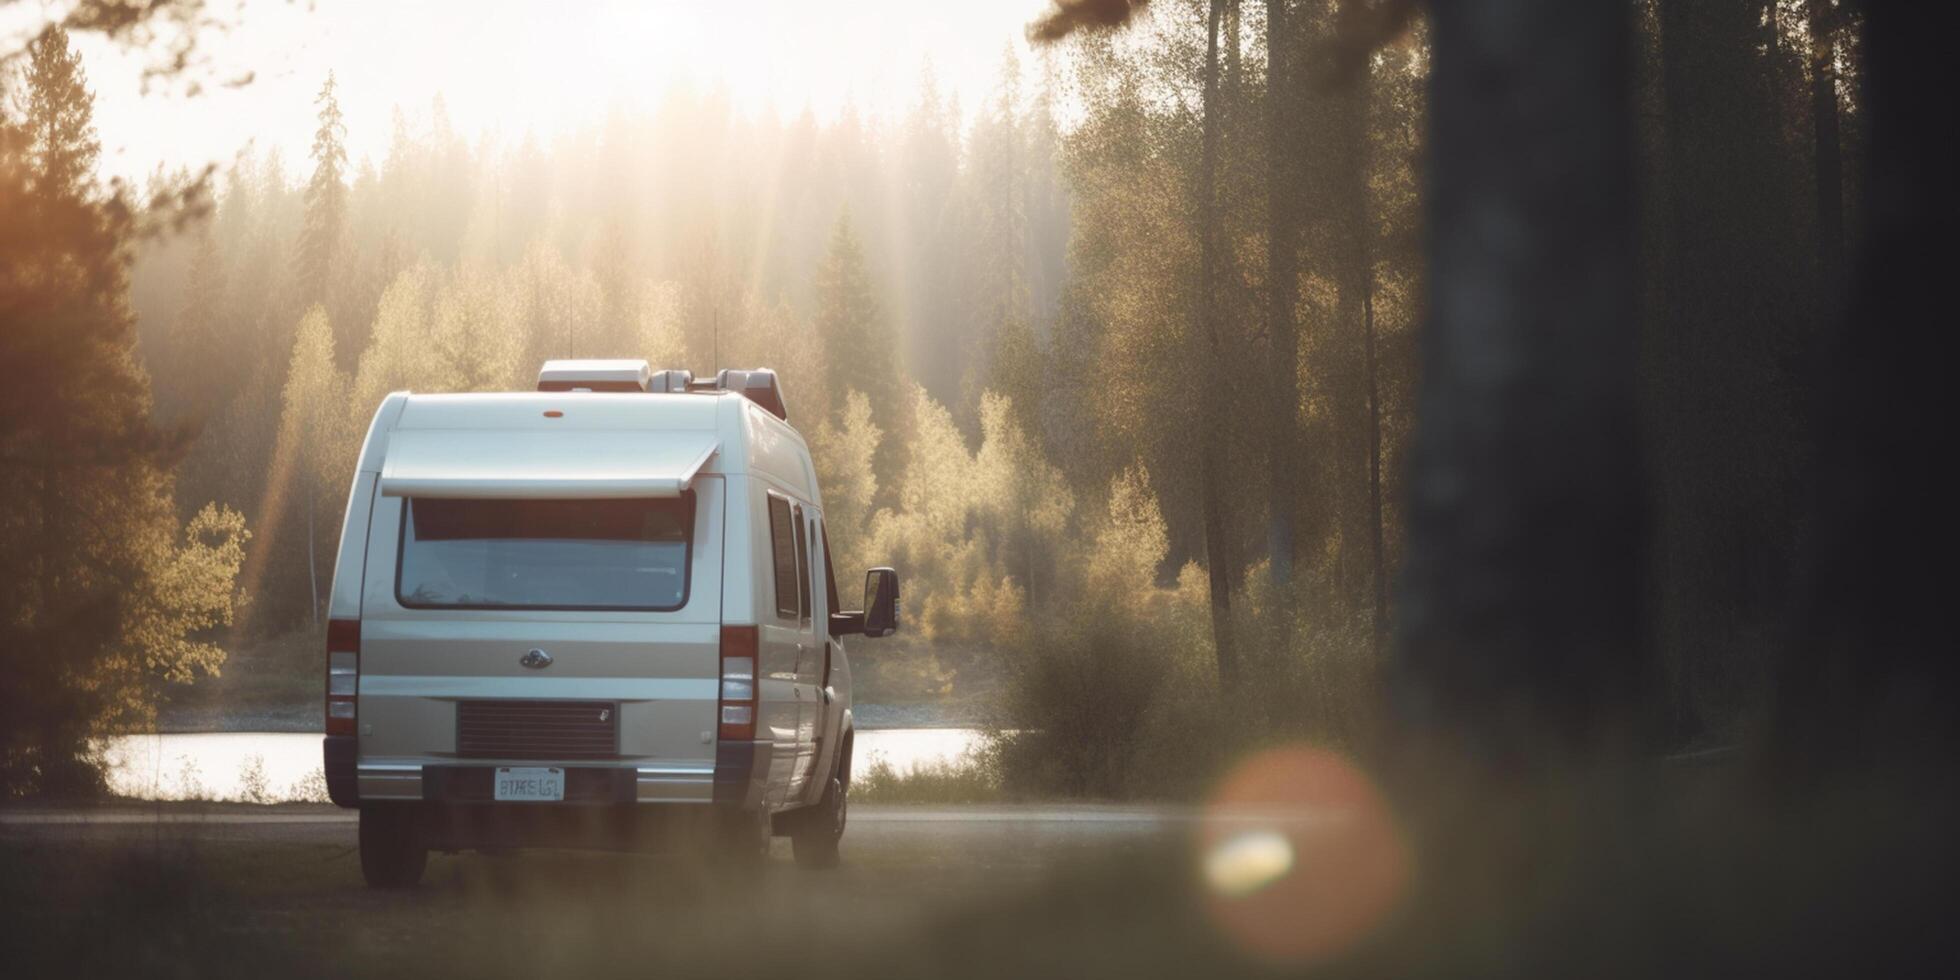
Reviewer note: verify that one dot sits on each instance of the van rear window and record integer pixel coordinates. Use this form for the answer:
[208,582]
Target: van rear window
[545,554]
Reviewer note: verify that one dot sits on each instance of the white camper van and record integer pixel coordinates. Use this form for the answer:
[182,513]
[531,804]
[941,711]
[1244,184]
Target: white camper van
[598,614]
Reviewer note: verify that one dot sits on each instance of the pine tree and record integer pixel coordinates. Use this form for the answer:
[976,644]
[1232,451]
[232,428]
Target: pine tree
[312,428]
[997,299]
[927,266]
[196,370]
[59,119]
[475,335]
[838,451]
[857,338]
[106,596]
[326,201]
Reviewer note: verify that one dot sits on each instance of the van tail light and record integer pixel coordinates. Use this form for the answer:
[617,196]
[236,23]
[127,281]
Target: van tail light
[738,682]
[343,674]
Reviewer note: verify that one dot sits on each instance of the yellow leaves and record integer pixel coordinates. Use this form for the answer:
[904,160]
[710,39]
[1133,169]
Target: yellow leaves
[315,429]
[475,336]
[969,528]
[1018,487]
[185,588]
[1131,542]
[937,484]
[393,358]
[465,332]
[842,453]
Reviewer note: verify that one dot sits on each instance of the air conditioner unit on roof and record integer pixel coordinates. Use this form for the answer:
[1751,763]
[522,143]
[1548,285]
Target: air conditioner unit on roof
[594,375]
[759,385]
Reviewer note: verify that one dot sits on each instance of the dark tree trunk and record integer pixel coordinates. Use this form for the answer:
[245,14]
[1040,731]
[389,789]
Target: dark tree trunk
[1872,680]
[1218,549]
[1830,161]
[1281,288]
[1521,613]
[1377,549]
[1361,477]
[1735,275]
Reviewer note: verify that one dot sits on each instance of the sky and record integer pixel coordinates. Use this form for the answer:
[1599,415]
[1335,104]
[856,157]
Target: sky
[512,66]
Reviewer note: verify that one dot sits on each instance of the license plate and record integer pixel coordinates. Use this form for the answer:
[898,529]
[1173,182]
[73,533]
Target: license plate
[530,784]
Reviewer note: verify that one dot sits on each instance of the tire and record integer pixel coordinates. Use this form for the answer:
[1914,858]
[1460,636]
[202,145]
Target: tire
[393,853]
[818,834]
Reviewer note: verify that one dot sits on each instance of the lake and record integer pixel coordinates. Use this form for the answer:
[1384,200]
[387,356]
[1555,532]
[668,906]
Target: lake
[277,766]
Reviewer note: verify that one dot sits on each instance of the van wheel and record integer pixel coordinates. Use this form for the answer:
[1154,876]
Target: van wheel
[393,854]
[815,840]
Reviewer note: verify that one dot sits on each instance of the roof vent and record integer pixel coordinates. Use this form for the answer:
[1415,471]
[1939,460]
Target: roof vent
[671,380]
[759,385]
[594,375]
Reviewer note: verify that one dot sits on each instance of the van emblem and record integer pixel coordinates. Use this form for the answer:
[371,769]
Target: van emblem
[605,714]
[536,660]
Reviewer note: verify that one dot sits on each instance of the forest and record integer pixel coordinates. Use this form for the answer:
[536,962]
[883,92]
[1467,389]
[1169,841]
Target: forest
[1134,350]
[1511,427]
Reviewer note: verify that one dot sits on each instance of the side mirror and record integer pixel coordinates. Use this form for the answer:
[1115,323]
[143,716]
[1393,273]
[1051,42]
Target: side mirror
[880,602]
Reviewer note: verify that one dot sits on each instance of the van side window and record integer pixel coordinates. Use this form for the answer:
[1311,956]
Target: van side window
[803,566]
[829,573]
[782,538]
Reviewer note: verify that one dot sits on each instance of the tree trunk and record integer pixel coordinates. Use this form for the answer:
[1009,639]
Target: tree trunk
[312,563]
[1521,612]
[1871,683]
[1218,549]
[1281,286]
[1234,64]
[1375,465]
[1360,422]
[1830,161]
[50,527]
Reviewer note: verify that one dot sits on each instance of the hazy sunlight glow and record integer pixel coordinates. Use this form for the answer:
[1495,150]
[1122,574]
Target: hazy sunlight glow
[519,67]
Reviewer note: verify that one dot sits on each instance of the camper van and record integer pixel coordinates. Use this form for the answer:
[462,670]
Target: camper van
[599,614]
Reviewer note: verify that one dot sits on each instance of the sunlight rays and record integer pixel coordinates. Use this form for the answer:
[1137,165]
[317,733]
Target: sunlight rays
[509,68]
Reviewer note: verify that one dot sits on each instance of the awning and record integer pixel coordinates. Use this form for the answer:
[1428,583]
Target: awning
[478,463]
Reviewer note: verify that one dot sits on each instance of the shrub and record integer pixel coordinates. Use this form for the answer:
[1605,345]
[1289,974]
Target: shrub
[1077,698]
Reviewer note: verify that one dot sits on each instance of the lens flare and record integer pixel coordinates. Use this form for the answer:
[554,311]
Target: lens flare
[1299,856]
[1248,862]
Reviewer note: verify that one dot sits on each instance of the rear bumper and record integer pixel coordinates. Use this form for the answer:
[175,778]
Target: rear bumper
[737,778]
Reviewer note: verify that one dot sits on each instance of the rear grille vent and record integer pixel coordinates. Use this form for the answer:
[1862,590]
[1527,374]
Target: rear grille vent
[537,729]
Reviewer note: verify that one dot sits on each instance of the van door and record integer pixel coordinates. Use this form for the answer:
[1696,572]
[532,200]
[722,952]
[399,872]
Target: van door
[786,638]
[810,674]
[619,600]
[833,685]
[809,657]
